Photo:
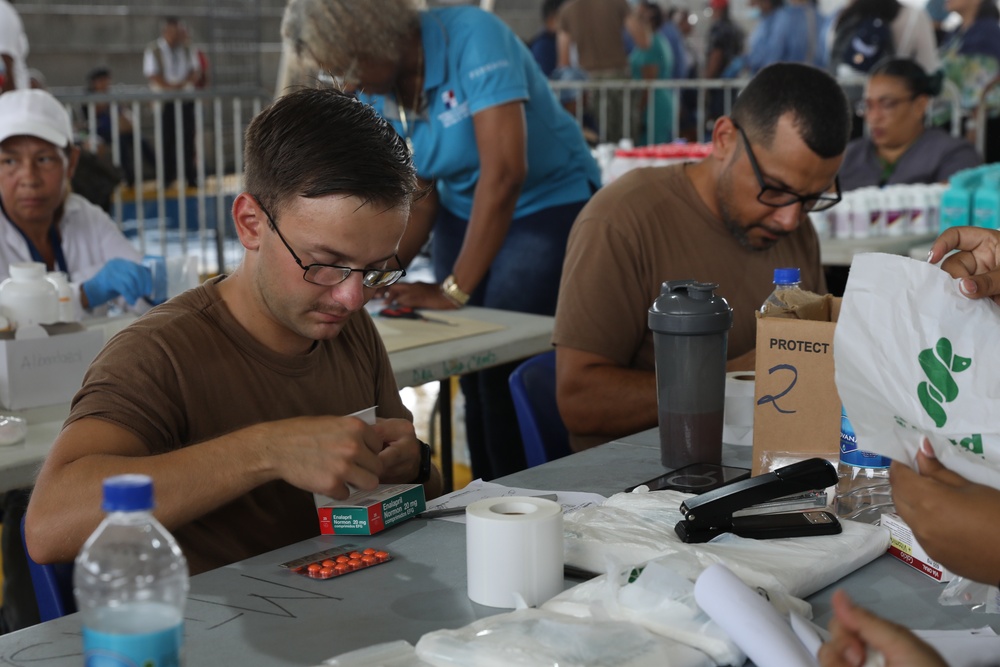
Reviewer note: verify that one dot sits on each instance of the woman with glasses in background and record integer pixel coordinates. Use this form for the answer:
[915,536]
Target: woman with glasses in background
[899,148]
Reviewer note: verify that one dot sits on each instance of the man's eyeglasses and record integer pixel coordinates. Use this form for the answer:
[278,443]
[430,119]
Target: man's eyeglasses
[329,275]
[779,197]
[886,104]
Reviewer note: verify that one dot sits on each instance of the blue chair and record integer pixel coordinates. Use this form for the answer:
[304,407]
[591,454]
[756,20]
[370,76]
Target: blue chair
[53,586]
[533,388]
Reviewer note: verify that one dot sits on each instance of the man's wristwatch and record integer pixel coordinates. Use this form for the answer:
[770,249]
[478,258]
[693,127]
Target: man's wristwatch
[454,292]
[425,464]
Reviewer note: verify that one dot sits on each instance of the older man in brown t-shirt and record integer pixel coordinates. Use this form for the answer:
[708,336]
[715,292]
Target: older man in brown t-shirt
[730,219]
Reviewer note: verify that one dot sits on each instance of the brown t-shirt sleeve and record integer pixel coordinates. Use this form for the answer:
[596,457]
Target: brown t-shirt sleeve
[601,307]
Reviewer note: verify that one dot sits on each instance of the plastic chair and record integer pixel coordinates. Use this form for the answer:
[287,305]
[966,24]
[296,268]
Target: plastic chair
[53,586]
[533,388]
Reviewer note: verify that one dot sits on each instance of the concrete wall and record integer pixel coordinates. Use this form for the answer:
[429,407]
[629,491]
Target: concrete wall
[241,37]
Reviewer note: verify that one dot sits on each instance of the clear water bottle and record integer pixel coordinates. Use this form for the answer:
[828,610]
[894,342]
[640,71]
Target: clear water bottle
[131,582]
[863,489]
[784,280]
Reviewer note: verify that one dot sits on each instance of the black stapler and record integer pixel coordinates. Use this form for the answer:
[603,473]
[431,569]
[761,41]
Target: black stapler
[712,513]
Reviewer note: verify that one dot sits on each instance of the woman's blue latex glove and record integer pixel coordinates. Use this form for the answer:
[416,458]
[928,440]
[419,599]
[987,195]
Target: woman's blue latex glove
[119,277]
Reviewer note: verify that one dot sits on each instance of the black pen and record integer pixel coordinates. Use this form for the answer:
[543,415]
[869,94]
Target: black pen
[452,511]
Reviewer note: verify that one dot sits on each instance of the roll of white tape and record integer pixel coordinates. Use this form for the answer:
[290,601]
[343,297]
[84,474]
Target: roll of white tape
[514,547]
[739,398]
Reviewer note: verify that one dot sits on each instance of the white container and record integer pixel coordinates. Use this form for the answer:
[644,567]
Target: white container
[897,213]
[65,292]
[27,297]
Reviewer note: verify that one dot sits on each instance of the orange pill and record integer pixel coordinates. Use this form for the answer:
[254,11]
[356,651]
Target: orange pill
[355,554]
[356,563]
[342,559]
[329,563]
[369,552]
[368,559]
[382,556]
[326,572]
[342,568]
[314,567]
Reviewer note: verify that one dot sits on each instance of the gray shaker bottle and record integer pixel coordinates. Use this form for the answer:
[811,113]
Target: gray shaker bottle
[690,326]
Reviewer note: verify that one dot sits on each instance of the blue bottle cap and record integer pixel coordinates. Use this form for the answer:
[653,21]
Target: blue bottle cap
[128,493]
[786,276]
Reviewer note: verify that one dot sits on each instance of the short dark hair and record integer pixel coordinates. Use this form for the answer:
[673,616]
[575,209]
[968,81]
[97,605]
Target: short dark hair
[316,142]
[550,7]
[822,114]
[913,76]
[99,72]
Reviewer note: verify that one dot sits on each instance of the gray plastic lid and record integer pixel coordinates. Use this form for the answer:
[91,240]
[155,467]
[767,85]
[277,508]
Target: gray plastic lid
[690,308]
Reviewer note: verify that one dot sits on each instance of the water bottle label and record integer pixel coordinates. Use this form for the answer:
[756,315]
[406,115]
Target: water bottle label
[849,452]
[155,649]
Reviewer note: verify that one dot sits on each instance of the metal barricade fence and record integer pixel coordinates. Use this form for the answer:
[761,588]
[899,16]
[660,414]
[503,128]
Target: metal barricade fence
[192,214]
[170,220]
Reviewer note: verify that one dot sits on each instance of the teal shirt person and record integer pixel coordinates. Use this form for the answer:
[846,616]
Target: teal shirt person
[472,65]
[657,60]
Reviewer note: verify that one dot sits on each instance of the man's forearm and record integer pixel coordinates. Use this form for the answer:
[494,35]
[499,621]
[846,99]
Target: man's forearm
[609,401]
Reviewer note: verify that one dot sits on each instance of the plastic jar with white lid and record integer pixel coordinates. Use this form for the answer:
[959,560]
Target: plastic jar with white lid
[27,297]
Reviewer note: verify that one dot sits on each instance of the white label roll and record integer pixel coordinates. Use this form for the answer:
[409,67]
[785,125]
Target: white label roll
[514,547]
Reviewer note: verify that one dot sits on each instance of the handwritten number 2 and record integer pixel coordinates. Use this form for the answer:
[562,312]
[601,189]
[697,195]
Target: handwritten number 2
[773,398]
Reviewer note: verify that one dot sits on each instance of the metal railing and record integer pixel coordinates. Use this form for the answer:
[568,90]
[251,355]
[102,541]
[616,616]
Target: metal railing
[169,220]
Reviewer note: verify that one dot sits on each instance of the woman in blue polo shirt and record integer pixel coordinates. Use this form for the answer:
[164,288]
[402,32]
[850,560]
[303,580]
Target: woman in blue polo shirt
[510,168]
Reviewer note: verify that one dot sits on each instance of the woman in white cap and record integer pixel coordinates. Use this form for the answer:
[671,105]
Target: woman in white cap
[42,221]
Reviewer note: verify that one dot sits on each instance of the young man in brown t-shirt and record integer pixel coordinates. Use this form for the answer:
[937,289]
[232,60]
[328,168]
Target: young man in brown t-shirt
[232,395]
[730,219]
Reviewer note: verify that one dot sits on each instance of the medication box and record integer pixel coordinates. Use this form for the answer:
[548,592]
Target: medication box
[46,371]
[370,512]
[903,545]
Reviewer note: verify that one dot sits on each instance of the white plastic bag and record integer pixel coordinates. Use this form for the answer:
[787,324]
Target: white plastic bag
[915,358]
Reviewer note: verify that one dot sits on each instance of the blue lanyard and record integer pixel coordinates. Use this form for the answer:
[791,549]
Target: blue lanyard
[54,238]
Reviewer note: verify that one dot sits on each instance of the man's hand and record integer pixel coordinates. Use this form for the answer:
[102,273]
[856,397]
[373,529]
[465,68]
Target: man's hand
[855,631]
[400,454]
[323,454]
[951,517]
[977,262]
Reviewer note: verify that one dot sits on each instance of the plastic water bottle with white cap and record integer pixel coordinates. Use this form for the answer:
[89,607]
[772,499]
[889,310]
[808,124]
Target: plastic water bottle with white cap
[784,280]
[131,582]
[863,489]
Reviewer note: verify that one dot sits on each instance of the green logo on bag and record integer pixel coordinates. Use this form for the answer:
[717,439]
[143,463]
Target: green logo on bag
[938,364]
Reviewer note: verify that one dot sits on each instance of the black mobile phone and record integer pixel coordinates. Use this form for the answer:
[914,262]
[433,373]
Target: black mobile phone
[792,524]
[695,478]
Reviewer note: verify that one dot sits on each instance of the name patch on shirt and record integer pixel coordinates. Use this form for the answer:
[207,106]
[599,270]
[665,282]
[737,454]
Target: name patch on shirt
[487,68]
[452,116]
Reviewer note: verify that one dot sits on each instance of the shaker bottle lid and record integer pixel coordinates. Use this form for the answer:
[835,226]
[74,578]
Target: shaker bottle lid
[688,307]
[787,276]
[128,493]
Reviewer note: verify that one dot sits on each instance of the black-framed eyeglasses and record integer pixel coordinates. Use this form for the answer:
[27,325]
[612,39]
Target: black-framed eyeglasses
[779,197]
[329,275]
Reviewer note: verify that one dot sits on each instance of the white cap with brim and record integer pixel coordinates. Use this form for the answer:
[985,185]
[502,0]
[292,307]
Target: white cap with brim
[34,113]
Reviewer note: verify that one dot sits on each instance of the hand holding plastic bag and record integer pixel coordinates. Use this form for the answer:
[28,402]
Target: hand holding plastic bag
[977,261]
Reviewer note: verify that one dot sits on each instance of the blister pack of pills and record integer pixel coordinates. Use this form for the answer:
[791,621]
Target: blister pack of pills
[336,562]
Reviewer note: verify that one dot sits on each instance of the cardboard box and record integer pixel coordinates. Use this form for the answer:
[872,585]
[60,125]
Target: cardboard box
[903,545]
[46,371]
[370,512]
[796,405]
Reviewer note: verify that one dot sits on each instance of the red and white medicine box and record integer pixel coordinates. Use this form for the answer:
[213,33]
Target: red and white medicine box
[903,545]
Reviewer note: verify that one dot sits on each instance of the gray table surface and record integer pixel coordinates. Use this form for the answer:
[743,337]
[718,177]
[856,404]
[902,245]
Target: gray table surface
[523,335]
[253,613]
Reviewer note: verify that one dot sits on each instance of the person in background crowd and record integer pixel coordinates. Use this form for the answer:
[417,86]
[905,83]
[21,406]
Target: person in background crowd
[235,471]
[543,45]
[13,49]
[99,82]
[722,55]
[900,148]
[731,219]
[652,63]
[971,60]
[43,221]
[509,167]
[171,65]
[945,511]
[781,35]
[592,36]
[672,31]
[910,31]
